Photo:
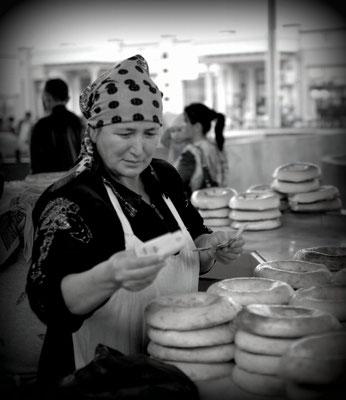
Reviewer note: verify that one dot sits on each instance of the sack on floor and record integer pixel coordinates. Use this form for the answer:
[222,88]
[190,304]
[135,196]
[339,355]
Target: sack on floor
[111,375]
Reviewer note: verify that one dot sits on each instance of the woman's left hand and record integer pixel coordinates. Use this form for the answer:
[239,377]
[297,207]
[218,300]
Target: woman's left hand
[228,253]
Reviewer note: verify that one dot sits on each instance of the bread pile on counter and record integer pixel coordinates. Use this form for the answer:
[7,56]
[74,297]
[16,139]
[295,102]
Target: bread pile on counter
[250,290]
[224,207]
[263,188]
[314,367]
[298,186]
[213,205]
[194,332]
[295,186]
[333,257]
[297,273]
[260,211]
[275,327]
[300,181]
[280,332]
[317,274]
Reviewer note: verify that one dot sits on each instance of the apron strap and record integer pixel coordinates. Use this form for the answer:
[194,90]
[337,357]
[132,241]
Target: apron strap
[115,202]
[124,221]
[175,213]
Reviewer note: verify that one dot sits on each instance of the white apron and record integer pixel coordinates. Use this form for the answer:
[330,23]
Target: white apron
[120,322]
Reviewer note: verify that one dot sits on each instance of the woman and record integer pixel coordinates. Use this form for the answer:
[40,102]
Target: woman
[86,282]
[203,156]
[174,137]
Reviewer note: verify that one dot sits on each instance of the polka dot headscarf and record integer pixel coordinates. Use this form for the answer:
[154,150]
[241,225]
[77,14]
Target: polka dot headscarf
[124,93]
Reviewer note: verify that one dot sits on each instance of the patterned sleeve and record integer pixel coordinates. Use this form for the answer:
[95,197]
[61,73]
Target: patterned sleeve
[61,238]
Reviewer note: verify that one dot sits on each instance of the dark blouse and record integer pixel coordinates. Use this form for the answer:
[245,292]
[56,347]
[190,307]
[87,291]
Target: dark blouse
[76,227]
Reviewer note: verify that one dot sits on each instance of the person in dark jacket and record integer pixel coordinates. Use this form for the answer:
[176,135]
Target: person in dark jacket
[56,138]
[86,281]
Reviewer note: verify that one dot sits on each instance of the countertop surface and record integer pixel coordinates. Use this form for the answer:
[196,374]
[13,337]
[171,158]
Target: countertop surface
[298,231]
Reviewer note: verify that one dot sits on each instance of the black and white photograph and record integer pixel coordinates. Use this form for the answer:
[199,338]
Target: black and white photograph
[172,200]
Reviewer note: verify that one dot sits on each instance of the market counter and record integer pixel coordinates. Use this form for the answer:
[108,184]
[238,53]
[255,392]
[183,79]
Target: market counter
[298,231]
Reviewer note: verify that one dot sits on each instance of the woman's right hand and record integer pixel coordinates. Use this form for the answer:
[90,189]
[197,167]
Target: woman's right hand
[134,273]
[83,292]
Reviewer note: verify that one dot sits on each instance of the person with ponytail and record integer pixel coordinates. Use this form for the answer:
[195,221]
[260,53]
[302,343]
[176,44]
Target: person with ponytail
[203,156]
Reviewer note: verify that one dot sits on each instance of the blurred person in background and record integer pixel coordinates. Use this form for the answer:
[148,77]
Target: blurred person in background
[174,138]
[7,124]
[204,155]
[56,138]
[24,132]
[86,282]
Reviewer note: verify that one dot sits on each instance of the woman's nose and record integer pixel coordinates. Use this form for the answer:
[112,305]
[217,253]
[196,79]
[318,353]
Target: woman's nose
[137,145]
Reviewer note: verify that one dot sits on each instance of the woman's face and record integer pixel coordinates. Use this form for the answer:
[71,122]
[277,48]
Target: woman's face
[177,129]
[127,148]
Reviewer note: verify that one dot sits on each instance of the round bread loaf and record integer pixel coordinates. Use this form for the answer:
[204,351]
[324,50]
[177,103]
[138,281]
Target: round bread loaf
[326,192]
[285,321]
[254,201]
[209,354]
[297,273]
[190,311]
[217,213]
[295,187]
[243,215]
[331,256]
[261,344]
[317,206]
[212,198]
[297,172]
[329,298]
[250,290]
[204,371]
[215,335]
[260,188]
[257,363]
[258,225]
[258,384]
[316,359]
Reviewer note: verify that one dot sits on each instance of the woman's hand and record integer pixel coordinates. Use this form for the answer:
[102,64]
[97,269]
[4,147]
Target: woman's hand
[84,292]
[132,272]
[224,255]
[228,253]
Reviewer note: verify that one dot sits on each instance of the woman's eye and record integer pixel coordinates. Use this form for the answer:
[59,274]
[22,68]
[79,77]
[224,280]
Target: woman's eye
[150,134]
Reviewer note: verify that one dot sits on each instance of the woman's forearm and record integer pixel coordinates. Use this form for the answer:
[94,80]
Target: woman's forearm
[85,291]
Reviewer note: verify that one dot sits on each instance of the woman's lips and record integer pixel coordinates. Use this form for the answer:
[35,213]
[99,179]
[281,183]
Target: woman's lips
[133,162]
